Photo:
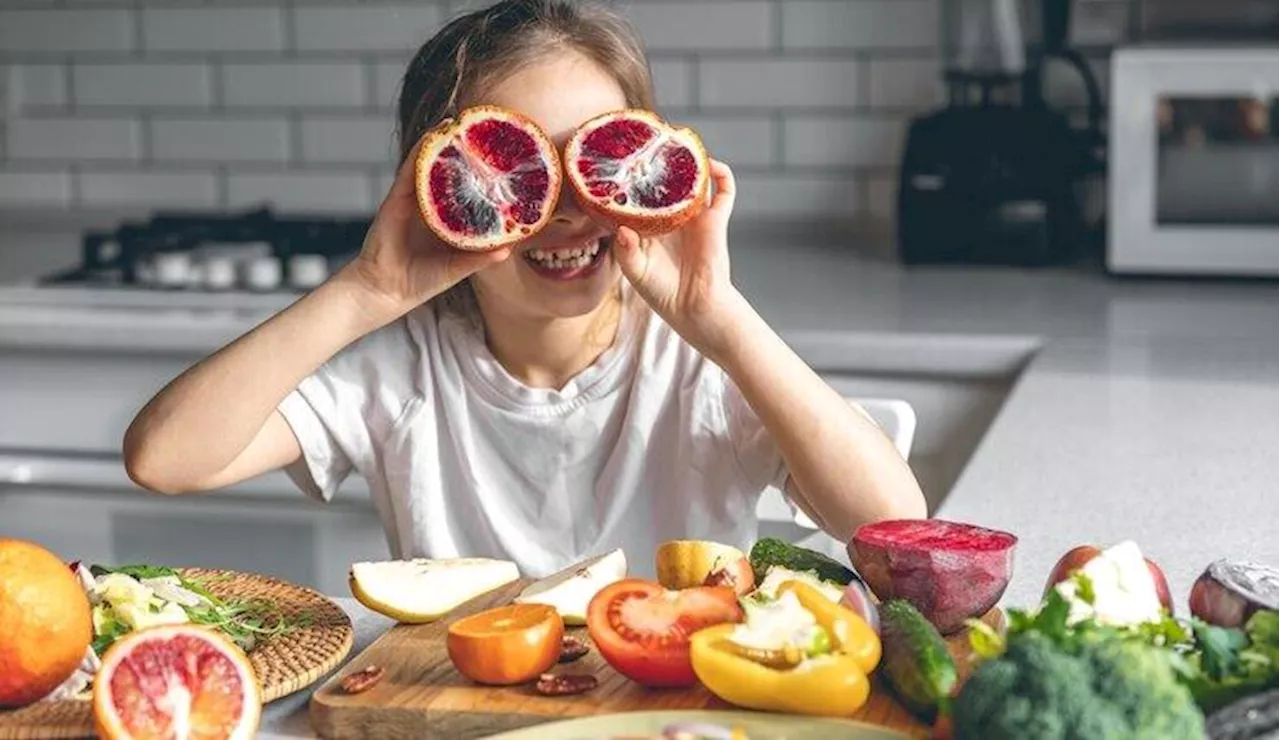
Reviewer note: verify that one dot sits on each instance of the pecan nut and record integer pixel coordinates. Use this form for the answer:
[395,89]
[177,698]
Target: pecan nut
[363,679]
[572,648]
[550,684]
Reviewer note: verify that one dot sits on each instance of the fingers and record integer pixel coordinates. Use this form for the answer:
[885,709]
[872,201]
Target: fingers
[464,264]
[406,181]
[629,253]
[725,187]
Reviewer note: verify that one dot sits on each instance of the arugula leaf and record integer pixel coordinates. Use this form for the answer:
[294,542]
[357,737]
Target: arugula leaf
[1052,617]
[137,571]
[1219,646]
[113,631]
[1168,632]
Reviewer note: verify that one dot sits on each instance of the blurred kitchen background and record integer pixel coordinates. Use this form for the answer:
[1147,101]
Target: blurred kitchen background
[169,104]
[932,192]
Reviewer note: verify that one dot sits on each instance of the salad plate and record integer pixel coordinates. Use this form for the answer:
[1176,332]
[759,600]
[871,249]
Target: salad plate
[293,635]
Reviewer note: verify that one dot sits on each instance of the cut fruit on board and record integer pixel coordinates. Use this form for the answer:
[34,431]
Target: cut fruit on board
[570,590]
[631,168]
[686,563]
[176,681]
[487,179]
[507,645]
[948,570]
[422,589]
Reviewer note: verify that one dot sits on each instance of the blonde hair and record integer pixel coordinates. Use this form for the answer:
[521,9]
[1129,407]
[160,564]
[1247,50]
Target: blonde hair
[480,47]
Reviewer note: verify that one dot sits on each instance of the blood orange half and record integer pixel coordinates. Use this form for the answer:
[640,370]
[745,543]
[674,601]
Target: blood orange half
[631,168]
[178,681]
[487,179]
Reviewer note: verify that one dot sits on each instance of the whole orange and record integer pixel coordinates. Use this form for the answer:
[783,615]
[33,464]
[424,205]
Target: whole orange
[45,622]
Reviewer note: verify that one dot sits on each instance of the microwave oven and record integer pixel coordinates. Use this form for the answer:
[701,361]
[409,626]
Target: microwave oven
[1192,161]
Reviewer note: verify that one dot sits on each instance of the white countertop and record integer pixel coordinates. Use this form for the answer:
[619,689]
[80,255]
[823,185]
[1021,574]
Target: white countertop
[1148,409]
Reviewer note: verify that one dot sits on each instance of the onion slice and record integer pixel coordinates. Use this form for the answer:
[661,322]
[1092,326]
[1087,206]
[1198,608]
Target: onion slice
[858,598]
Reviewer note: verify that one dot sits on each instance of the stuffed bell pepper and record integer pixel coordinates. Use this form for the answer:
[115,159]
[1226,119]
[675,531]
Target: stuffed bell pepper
[800,653]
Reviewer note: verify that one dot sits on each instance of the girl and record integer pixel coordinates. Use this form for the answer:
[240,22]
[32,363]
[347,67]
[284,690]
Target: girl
[505,411]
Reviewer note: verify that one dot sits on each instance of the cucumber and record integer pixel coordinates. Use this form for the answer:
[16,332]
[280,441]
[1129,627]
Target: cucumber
[771,551]
[915,661]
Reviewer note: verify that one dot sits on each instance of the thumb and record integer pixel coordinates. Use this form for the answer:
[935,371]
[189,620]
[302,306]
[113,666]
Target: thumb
[630,254]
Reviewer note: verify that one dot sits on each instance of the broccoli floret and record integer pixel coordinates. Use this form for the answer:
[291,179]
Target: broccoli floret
[1139,680]
[1100,690]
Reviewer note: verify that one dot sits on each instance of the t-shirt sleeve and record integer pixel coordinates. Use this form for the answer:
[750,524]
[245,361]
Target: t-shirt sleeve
[759,456]
[342,411]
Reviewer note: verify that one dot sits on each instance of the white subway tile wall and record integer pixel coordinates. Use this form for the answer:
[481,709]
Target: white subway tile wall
[232,103]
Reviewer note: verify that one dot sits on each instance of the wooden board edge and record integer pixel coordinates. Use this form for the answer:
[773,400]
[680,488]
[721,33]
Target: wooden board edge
[322,704]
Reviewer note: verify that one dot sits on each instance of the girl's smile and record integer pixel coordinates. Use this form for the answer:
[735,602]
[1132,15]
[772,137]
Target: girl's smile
[569,262]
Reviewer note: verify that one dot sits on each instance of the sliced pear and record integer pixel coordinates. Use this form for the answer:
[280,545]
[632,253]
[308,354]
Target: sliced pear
[687,563]
[570,590]
[423,590]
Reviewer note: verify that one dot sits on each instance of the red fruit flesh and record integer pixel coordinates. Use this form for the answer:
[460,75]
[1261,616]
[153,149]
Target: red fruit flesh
[1228,592]
[633,169]
[947,570]
[487,180]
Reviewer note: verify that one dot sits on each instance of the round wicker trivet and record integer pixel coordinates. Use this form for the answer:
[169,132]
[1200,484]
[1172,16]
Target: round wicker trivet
[284,664]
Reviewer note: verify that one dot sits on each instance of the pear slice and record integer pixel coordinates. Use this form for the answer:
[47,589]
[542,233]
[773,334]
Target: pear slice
[423,590]
[570,590]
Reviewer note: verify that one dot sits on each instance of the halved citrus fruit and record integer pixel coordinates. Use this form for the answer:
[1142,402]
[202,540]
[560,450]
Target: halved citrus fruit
[487,179]
[631,168]
[176,681]
[507,645]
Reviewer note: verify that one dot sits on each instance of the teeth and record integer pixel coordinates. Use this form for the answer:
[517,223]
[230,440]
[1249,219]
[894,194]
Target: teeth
[566,259]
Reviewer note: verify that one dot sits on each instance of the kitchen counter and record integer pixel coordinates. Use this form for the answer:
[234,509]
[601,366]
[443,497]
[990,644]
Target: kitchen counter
[1143,409]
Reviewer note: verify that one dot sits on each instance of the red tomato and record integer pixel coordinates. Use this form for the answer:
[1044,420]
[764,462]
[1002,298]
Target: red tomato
[643,629]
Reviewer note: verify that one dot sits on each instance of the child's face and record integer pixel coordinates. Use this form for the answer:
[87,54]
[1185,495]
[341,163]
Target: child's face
[560,93]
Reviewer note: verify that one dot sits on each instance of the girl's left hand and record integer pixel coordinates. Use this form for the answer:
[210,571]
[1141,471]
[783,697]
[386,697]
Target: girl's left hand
[684,277]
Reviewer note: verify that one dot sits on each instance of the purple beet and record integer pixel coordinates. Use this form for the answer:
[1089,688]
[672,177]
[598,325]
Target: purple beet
[947,570]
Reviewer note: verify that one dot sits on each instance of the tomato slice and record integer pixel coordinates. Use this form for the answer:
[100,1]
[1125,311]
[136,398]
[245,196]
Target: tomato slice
[643,630]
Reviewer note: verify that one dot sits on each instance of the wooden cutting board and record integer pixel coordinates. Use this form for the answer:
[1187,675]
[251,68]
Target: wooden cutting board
[423,696]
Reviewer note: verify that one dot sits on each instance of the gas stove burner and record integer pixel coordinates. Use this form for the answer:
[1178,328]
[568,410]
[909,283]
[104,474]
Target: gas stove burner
[253,251]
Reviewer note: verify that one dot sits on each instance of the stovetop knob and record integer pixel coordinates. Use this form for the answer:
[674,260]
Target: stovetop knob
[307,271]
[220,273]
[262,273]
[172,269]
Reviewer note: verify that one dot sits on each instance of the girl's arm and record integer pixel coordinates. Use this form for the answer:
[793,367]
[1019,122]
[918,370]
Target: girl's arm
[217,424]
[844,471]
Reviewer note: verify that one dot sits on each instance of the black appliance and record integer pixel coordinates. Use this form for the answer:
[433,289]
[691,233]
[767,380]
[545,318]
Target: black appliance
[257,250]
[991,178]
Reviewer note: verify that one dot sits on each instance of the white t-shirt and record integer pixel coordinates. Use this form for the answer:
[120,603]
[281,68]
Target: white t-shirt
[652,442]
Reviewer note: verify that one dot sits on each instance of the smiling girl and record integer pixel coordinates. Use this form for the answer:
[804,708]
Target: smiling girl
[500,406]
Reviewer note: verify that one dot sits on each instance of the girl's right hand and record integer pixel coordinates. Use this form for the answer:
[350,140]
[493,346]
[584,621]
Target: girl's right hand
[402,263]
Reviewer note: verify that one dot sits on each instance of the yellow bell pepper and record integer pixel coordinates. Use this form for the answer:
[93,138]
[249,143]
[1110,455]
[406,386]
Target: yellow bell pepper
[849,632]
[835,684]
